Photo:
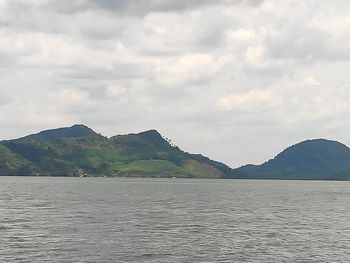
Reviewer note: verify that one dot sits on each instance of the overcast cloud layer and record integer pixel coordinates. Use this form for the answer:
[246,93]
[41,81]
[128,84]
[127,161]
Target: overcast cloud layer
[235,80]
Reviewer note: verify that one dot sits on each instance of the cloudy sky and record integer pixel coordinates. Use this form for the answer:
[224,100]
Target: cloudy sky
[236,80]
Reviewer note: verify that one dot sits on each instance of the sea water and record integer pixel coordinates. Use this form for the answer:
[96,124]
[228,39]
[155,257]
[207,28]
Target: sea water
[48,219]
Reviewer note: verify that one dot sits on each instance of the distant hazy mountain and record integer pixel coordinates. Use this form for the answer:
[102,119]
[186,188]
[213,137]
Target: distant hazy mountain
[78,150]
[311,159]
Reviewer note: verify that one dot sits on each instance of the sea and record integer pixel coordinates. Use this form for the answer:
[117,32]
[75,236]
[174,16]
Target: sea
[63,219]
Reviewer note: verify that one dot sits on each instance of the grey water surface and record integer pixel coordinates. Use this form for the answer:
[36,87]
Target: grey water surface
[47,219]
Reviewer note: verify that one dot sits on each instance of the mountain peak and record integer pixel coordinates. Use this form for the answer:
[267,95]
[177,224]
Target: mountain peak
[152,136]
[78,126]
[310,159]
[75,131]
[151,133]
[315,148]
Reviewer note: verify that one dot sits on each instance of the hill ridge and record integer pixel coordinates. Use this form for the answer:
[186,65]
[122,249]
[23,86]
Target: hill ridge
[74,131]
[78,149]
[309,159]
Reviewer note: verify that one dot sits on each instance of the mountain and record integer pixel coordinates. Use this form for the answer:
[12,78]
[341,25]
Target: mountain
[76,131]
[312,159]
[78,150]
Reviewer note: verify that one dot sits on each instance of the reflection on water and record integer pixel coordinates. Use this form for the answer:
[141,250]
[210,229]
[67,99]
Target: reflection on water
[173,220]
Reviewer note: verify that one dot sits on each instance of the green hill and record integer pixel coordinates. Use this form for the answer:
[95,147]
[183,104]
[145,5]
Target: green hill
[312,159]
[76,131]
[12,164]
[78,150]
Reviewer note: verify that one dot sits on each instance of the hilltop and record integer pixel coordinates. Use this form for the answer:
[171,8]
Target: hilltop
[79,150]
[311,159]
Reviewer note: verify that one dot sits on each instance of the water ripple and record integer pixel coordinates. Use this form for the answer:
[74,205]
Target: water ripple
[158,220]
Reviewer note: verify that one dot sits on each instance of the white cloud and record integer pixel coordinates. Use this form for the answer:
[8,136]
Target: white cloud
[189,69]
[74,97]
[310,81]
[115,90]
[212,75]
[245,35]
[251,101]
[256,56]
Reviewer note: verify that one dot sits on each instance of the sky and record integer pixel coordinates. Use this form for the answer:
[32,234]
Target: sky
[235,80]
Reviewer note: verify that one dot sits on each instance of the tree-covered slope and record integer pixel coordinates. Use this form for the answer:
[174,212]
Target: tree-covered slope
[12,164]
[76,131]
[79,150]
[311,159]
